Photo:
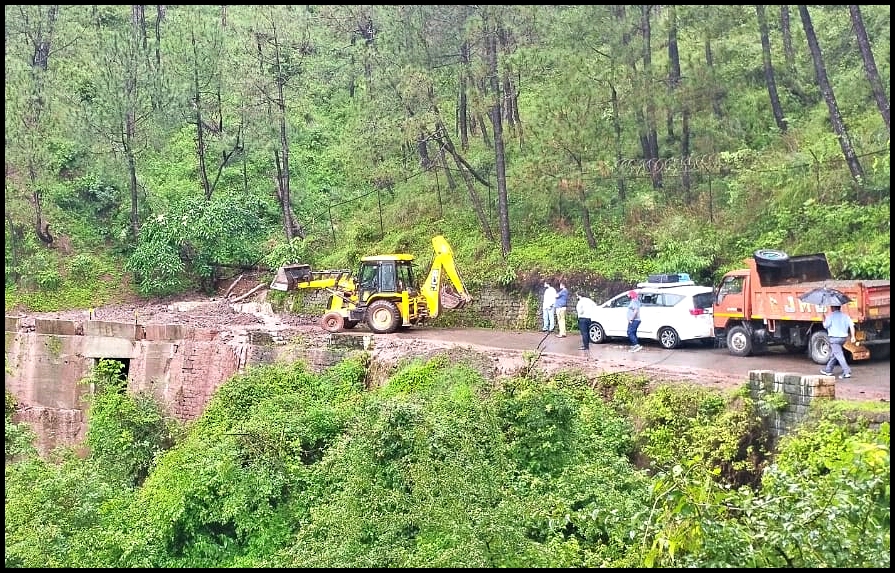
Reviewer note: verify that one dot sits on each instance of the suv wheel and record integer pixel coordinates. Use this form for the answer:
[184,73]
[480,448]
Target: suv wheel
[596,333]
[669,338]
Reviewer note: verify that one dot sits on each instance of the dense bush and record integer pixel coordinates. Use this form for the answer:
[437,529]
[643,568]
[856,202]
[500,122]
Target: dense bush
[440,467]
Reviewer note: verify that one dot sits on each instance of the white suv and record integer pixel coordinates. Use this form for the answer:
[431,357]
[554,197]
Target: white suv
[671,313]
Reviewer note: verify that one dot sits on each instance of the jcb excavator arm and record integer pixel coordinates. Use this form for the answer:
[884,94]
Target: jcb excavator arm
[293,277]
[435,290]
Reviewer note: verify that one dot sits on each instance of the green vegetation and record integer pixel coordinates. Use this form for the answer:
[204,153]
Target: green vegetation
[166,147]
[441,467]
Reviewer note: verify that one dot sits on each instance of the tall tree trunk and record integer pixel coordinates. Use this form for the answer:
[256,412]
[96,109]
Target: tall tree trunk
[769,68]
[42,230]
[129,142]
[717,96]
[422,149]
[581,188]
[41,38]
[790,79]
[879,92]
[200,127]
[674,73]
[139,20]
[617,144]
[619,15]
[685,151]
[789,54]
[462,111]
[496,113]
[854,165]
[159,17]
[651,131]
[291,226]
[452,185]
[462,168]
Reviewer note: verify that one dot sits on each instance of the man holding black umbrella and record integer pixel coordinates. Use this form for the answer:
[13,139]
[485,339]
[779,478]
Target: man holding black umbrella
[839,326]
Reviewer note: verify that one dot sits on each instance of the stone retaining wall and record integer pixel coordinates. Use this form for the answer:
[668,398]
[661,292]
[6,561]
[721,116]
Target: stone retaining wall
[784,398]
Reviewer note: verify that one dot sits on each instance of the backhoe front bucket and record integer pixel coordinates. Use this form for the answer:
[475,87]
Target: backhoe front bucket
[288,275]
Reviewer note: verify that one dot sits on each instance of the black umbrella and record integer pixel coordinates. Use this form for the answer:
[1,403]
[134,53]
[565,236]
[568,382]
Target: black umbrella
[825,296]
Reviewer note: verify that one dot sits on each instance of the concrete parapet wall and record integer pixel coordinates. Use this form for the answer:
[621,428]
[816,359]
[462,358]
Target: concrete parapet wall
[129,330]
[63,327]
[167,332]
[12,324]
[108,347]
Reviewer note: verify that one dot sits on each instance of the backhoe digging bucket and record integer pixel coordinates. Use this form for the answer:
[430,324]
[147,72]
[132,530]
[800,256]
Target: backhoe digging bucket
[449,299]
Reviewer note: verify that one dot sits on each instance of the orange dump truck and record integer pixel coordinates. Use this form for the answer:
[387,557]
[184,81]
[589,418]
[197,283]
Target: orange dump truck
[759,306]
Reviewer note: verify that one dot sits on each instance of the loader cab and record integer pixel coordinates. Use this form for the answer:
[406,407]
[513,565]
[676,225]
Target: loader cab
[385,274]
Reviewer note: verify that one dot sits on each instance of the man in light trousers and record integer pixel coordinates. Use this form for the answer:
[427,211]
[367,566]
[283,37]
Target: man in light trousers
[547,307]
[839,327]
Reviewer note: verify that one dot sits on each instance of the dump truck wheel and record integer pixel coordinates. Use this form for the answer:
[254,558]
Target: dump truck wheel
[739,341]
[332,322]
[383,317]
[819,347]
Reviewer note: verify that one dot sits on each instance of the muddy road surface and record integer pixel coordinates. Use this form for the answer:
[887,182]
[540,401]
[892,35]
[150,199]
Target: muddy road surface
[870,378]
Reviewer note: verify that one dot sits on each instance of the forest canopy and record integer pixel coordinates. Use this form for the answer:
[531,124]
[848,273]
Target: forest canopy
[150,147]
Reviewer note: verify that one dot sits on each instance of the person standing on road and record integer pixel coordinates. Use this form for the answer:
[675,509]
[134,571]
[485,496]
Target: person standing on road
[562,300]
[547,307]
[633,320]
[585,310]
[839,327]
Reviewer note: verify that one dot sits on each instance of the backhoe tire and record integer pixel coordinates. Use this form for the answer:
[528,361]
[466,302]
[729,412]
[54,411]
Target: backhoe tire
[739,341]
[332,322]
[383,317]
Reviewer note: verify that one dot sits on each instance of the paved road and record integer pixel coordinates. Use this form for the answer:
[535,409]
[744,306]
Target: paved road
[870,378]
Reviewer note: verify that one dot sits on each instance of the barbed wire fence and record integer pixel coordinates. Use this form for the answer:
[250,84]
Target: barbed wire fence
[703,171]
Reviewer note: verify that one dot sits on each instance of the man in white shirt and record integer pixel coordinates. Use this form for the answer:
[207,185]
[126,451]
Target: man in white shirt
[839,327]
[585,309]
[547,307]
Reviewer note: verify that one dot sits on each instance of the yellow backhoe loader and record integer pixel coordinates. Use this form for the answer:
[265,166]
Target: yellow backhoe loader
[384,295]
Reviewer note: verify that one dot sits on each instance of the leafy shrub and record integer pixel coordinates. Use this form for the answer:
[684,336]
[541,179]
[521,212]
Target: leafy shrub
[125,432]
[684,422]
[19,437]
[183,246]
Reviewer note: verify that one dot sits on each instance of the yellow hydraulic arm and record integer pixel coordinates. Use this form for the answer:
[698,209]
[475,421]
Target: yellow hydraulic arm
[438,293]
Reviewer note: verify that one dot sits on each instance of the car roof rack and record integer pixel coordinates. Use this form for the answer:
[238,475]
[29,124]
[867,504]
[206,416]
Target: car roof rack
[665,285]
[666,280]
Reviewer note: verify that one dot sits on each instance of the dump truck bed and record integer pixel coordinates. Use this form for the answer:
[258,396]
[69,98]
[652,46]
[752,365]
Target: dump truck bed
[870,300]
